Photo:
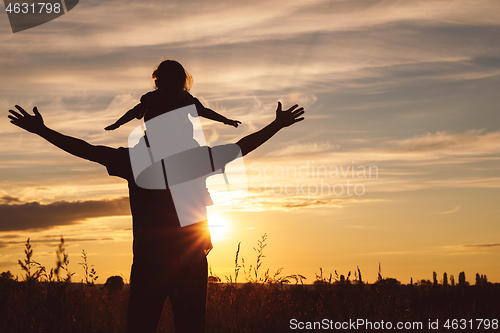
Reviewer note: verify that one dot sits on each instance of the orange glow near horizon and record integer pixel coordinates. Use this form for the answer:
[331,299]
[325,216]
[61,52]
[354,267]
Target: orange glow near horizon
[218,226]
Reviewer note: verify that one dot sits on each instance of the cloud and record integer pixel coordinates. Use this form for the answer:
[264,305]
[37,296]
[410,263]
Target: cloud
[268,203]
[481,246]
[470,159]
[8,199]
[456,209]
[441,147]
[271,201]
[33,215]
[402,158]
[428,148]
[312,203]
[471,142]
[9,236]
[487,61]
[52,240]
[469,248]
[114,24]
[256,42]
[305,148]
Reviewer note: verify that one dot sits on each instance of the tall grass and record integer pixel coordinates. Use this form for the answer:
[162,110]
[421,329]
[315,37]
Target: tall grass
[46,301]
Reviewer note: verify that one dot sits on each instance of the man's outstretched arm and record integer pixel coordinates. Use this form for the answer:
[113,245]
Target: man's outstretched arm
[74,146]
[195,163]
[283,119]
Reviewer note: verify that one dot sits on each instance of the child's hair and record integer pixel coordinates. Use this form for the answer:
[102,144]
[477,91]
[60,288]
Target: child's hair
[171,75]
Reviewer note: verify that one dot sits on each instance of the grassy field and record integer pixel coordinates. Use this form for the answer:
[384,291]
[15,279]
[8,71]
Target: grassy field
[47,301]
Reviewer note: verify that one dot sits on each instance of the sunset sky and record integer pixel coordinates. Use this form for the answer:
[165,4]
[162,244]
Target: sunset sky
[406,90]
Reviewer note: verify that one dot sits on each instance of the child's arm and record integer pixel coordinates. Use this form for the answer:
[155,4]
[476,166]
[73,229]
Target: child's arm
[130,115]
[211,114]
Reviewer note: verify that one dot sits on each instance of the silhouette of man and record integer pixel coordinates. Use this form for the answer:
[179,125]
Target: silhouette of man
[169,260]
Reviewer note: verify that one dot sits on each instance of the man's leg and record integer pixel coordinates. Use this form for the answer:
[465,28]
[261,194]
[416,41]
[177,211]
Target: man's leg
[148,293]
[189,298]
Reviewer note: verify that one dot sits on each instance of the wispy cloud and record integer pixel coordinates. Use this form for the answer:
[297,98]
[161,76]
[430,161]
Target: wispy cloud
[270,201]
[306,148]
[439,147]
[481,246]
[51,240]
[466,248]
[472,142]
[128,23]
[456,209]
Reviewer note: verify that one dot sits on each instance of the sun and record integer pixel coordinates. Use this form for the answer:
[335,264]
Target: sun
[218,226]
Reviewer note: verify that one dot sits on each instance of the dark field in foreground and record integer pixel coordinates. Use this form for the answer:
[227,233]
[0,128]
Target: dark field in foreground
[62,307]
[47,301]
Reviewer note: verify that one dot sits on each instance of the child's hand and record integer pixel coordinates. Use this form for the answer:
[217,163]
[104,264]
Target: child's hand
[111,127]
[234,123]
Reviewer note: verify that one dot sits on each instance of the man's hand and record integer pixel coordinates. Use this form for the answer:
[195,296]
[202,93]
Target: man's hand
[231,122]
[33,124]
[283,119]
[288,117]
